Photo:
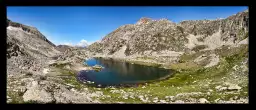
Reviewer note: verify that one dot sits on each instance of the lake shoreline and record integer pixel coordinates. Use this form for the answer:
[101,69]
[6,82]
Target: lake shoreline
[189,84]
[126,69]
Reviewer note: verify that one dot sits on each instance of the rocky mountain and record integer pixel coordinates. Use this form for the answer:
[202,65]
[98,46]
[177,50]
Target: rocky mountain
[73,54]
[62,48]
[28,29]
[148,37]
[32,71]
[209,59]
[27,48]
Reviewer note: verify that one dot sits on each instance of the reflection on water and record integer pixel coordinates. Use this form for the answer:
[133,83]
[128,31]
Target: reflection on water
[116,72]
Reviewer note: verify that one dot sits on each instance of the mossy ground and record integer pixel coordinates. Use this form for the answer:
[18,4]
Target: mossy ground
[16,96]
[188,77]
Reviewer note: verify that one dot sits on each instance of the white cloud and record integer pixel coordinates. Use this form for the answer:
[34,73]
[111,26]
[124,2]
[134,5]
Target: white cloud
[83,43]
[67,43]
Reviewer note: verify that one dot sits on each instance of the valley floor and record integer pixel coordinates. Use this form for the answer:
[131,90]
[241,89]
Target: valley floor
[203,82]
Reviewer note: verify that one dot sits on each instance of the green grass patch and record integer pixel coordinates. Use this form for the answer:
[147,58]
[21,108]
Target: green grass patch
[190,57]
[117,97]
[226,51]
[145,63]
[59,65]
[185,66]
[188,77]
[73,81]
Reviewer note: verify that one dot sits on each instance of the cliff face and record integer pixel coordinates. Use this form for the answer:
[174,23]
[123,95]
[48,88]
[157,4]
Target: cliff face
[147,35]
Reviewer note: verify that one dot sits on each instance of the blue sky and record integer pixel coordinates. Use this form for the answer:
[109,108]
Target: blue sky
[77,25]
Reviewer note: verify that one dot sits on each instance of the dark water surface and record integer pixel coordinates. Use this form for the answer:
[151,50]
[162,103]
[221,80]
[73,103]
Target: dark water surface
[117,73]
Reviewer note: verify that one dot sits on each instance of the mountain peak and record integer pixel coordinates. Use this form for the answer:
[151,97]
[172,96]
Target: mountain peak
[144,20]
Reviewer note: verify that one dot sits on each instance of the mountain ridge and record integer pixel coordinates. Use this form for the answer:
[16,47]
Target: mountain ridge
[152,35]
[209,59]
[29,29]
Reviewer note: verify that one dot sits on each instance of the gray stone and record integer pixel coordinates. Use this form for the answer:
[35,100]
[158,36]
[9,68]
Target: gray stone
[234,87]
[163,101]
[222,89]
[179,101]
[37,94]
[203,100]
[9,100]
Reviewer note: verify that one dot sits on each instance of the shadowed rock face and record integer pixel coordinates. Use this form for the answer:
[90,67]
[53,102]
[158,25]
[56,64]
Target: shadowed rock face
[156,35]
[62,48]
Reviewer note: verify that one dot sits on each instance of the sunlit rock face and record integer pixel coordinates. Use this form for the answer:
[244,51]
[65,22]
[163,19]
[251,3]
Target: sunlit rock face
[148,36]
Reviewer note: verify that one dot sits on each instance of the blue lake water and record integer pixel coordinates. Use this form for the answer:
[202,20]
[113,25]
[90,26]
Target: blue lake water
[120,73]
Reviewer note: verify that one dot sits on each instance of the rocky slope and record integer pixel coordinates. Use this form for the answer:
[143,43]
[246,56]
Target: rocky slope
[148,37]
[28,29]
[27,48]
[31,74]
[209,57]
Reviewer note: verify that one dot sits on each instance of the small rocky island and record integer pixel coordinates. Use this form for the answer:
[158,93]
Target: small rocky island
[209,59]
[97,67]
